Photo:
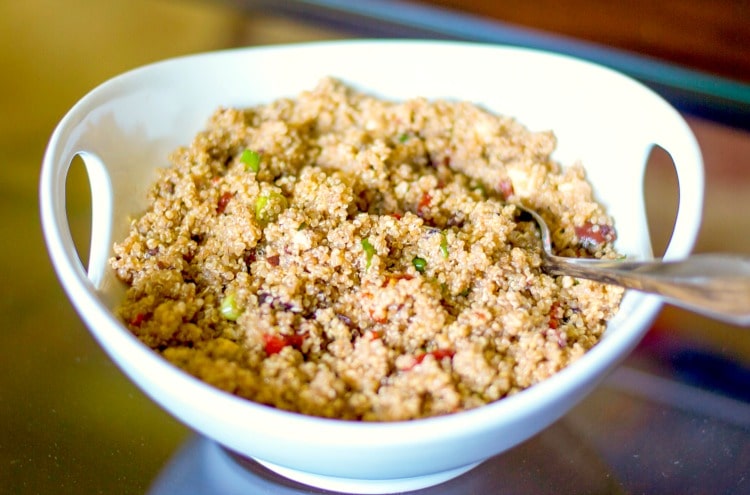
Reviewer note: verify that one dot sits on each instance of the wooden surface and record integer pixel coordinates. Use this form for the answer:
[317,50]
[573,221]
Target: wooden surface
[712,36]
[63,405]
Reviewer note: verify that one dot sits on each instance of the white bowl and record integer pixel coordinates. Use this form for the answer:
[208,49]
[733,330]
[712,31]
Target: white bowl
[125,128]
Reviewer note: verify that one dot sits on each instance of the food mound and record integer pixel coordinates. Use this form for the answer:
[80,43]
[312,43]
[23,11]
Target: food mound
[342,256]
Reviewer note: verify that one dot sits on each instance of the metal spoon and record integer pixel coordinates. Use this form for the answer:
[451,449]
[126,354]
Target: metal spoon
[715,285]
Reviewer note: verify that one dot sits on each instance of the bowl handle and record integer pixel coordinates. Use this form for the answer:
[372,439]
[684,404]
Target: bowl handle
[101,216]
[677,139]
[55,220]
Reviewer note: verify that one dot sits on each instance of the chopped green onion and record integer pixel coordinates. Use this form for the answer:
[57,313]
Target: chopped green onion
[443,245]
[269,205]
[419,264]
[229,308]
[369,251]
[260,207]
[403,138]
[251,159]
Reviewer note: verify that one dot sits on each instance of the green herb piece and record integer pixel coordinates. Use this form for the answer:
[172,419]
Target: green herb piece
[443,245]
[369,251]
[419,264]
[229,308]
[480,189]
[269,205]
[251,159]
[403,138]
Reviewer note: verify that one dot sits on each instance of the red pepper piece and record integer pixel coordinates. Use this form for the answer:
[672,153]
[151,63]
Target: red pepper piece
[591,234]
[274,343]
[506,188]
[554,320]
[424,202]
[392,278]
[221,205]
[438,354]
[273,260]
[295,340]
[377,319]
[137,319]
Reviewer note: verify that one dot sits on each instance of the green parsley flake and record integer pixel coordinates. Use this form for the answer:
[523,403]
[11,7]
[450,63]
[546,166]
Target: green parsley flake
[369,251]
[443,245]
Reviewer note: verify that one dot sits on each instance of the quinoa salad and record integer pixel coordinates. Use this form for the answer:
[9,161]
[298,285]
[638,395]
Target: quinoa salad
[340,255]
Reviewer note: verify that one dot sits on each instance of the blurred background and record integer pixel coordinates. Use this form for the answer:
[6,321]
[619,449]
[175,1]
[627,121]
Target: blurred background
[70,422]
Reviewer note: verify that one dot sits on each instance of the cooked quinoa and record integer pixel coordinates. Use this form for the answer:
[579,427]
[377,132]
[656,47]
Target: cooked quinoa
[343,256]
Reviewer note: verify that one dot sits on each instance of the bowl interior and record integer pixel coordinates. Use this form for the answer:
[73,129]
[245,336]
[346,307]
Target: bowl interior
[132,122]
[125,129]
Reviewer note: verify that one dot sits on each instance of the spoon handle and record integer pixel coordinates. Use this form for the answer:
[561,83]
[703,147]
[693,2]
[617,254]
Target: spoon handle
[716,285]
